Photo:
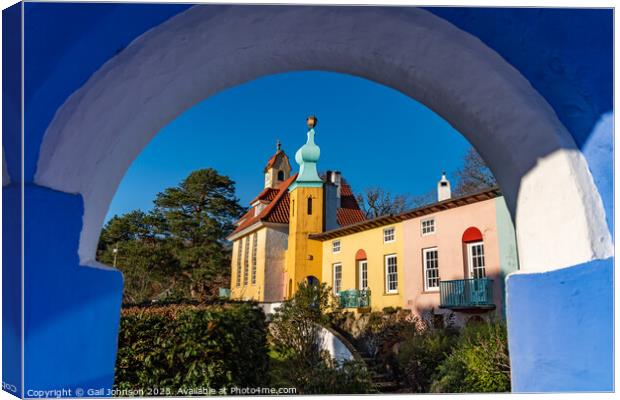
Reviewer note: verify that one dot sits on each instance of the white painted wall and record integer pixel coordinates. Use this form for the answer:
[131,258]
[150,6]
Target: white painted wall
[335,346]
[102,127]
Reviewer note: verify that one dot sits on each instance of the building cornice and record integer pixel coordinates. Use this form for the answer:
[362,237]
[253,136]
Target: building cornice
[486,194]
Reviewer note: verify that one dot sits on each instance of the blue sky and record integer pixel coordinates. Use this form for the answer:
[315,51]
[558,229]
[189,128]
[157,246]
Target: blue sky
[373,134]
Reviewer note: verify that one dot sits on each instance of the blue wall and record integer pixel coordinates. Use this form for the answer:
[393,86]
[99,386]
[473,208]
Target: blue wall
[11,196]
[561,329]
[72,311]
[67,43]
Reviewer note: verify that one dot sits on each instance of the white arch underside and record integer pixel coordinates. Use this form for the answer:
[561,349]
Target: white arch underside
[103,126]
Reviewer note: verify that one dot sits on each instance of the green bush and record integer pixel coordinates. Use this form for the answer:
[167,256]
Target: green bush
[188,346]
[298,358]
[478,363]
[420,354]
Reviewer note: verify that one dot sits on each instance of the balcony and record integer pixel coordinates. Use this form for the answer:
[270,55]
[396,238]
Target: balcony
[467,294]
[354,298]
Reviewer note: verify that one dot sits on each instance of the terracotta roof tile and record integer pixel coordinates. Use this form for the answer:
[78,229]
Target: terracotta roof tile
[349,216]
[267,194]
[277,211]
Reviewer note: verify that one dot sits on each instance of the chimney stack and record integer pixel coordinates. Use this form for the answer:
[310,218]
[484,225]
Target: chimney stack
[336,179]
[443,188]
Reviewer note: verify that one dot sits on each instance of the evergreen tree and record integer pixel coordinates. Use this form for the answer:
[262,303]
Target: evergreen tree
[177,250]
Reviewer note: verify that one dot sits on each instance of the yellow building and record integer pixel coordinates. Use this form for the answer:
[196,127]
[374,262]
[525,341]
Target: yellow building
[448,256]
[271,252]
[367,257]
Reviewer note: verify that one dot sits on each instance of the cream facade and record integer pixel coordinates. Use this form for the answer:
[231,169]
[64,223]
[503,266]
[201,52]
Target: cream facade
[258,265]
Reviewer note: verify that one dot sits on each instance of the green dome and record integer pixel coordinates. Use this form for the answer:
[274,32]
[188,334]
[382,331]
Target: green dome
[309,152]
[307,157]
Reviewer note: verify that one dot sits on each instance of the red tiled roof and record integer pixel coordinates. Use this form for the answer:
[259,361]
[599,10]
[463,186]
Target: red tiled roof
[268,194]
[349,211]
[277,211]
[349,216]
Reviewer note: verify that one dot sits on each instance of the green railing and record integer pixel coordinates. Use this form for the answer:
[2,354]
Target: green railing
[466,293]
[224,293]
[354,298]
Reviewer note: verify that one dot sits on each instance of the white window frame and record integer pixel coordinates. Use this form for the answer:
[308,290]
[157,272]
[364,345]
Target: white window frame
[388,273]
[254,257]
[337,267]
[239,257]
[246,260]
[429,229]
[470,258]
[425,266]
[362,268]
[336,246]
[385,235]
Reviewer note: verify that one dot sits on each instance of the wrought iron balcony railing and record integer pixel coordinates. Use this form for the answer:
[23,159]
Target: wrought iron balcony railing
[354,298]
[467,294]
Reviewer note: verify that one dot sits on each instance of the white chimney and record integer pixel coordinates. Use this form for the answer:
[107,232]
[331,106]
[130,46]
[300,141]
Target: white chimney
[443,188]
[336,178]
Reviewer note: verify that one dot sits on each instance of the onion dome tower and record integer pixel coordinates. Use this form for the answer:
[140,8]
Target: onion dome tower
[306,216]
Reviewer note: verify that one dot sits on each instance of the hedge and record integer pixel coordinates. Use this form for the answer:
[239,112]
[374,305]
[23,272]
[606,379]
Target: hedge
[184,347]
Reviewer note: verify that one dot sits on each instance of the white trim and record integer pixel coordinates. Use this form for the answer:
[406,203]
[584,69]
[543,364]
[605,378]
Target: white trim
[393,228]
[424,269]
[470,261]
[360,284]
[386,276]
[334,288]
[434,225]
[339,246]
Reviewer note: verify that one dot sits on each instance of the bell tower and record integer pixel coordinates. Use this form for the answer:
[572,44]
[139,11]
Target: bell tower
[278,168]
[303,256]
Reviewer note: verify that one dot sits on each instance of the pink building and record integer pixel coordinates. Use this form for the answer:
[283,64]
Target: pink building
[457,253]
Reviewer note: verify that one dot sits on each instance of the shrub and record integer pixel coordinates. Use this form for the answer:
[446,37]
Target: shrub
[349,377]
[298,358]
[188,346]
[478,363]
[420,354]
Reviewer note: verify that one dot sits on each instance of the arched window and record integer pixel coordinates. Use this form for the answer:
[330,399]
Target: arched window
[474,247]
[362,269]
[280,175]
[312,280]
[309,205]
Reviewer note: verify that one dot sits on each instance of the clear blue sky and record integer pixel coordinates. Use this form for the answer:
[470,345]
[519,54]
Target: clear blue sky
[373,134]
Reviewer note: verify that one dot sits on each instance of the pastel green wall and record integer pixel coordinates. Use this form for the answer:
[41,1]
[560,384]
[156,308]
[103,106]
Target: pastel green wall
[508,255]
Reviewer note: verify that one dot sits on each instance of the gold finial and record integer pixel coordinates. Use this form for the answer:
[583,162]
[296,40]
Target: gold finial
[278,145]
[311,121]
